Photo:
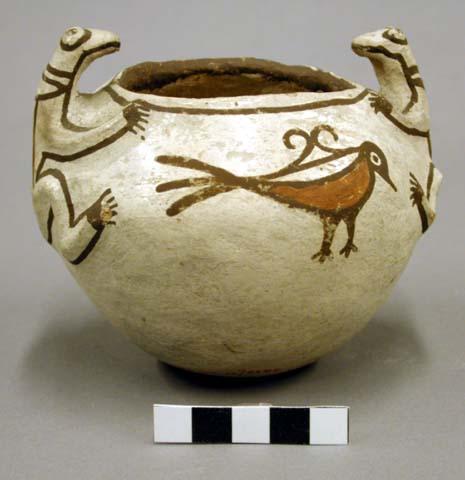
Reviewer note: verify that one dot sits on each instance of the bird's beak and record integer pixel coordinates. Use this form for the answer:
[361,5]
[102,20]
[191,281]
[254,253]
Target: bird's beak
[388,180]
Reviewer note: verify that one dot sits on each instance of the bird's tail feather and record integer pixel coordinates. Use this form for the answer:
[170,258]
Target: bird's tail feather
[194,164]
[185,183]
[198,196]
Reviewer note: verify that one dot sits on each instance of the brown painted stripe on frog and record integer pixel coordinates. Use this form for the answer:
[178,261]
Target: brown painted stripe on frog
[409,72]
[408,130]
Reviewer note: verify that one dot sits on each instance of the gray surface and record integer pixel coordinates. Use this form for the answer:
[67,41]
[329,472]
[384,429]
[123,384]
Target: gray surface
[76,396]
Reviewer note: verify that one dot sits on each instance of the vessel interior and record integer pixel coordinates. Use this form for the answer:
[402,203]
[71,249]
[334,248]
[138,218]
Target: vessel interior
[212,78]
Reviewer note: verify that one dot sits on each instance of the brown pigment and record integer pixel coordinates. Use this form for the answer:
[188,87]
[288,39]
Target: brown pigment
[228,77]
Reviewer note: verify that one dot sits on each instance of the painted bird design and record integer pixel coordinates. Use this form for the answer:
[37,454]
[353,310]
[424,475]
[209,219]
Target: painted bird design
[335,198]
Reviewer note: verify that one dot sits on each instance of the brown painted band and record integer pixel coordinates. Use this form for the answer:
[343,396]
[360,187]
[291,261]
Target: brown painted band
[84,37]
[405,128]
[64,116]
[429,182]
[266,110]
[394,39]
[48,96]
[54,83]
[90,246]
[244,111]
[58,73]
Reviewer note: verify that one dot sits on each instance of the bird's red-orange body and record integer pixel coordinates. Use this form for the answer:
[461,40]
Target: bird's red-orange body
[343,192]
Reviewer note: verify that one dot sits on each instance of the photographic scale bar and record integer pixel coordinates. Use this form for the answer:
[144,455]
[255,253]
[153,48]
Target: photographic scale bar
[261,424]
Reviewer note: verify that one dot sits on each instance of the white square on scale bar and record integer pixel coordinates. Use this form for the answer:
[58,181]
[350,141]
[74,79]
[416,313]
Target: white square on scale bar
[329,425]
[172,424]
[251,424]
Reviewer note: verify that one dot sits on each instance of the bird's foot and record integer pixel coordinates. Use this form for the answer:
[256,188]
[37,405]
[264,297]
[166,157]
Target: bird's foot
[323,255]
[348,247]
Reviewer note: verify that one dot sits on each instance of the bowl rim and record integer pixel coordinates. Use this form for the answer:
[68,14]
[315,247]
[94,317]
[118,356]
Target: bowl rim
[340,91]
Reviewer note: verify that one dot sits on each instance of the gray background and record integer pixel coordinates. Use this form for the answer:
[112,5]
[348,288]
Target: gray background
[76,396]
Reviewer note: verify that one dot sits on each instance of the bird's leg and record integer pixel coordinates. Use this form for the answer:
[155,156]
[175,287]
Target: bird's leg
[329,228]
[349,246]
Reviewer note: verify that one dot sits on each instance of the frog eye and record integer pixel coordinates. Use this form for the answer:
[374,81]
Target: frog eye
[74,37]
[395,35]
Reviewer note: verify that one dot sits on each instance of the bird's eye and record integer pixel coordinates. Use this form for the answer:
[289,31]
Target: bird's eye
[375,159]
[73,37]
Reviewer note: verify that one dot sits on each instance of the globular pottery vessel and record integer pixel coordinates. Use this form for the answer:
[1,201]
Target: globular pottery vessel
[234,216]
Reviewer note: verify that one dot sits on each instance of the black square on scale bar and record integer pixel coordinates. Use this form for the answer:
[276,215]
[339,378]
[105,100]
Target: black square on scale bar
[290,426]
[211,425]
